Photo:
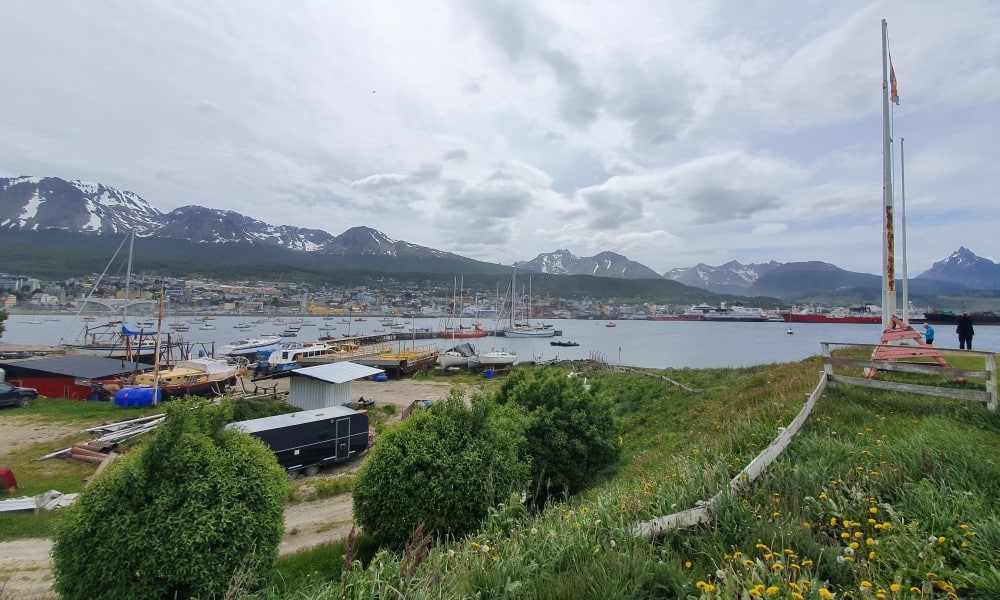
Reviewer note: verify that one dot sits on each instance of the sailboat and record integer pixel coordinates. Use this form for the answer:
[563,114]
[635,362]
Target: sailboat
[114,339]
[523,330]
[463,331]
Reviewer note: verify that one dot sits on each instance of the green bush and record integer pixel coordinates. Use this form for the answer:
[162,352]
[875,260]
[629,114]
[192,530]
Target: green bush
[443,468]
[179,517]
[572,433]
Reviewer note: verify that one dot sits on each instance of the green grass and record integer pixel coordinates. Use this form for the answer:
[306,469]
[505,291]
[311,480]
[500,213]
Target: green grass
[913,481]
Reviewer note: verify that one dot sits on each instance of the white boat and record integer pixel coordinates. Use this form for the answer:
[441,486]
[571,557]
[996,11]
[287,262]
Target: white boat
[250,346]
[286,358]
[497,357]
[523,330]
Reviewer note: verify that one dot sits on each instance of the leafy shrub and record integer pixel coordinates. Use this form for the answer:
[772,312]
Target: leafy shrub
[443,468]
[572,433]
[177,518]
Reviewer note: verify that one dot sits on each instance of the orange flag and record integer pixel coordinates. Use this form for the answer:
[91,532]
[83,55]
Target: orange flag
[893,91]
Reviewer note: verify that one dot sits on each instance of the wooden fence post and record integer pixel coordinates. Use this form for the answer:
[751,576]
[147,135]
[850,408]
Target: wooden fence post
[991,380]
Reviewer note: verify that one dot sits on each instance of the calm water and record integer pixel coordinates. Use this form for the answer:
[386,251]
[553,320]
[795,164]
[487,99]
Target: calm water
[633,343]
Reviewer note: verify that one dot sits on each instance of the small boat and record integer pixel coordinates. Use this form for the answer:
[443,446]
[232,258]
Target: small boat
[207,327]
[610,324]
[195,377]
[497,357]
[564,344]
[241,326]
[250,346]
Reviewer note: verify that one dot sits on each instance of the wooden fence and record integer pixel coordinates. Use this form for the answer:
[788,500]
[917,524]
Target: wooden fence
[988,373]
[702,511]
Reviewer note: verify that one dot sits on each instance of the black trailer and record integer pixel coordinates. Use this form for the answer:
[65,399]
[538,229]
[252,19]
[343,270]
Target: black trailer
[307,440]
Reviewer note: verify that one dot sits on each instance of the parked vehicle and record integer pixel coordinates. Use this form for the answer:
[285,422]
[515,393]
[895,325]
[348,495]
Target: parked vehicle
[11,395]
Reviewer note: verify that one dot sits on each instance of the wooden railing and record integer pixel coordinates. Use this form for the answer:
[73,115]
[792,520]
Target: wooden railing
[987,373]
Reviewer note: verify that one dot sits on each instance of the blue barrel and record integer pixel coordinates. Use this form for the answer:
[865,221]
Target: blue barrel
[136,397]
[380,377]
[488,373]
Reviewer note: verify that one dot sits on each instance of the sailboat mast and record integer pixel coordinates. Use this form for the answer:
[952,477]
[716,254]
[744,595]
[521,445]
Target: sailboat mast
[128,276]
[888,235]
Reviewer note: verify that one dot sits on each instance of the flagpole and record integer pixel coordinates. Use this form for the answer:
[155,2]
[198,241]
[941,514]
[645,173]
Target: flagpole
[888,235]
[902,234]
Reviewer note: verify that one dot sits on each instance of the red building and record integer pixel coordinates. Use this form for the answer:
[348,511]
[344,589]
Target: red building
[73,376]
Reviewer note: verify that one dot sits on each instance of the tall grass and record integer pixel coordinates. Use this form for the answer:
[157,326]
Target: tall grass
[881,495]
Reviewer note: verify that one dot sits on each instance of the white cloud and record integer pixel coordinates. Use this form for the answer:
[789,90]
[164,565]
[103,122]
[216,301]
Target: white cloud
[671,132]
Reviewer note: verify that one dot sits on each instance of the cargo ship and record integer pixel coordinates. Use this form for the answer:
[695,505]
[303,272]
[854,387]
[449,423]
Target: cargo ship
[860,315]
[944,317]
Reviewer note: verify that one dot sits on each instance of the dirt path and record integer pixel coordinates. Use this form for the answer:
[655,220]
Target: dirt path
[25,565]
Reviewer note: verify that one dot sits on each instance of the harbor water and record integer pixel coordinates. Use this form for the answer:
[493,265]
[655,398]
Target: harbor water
[637,343]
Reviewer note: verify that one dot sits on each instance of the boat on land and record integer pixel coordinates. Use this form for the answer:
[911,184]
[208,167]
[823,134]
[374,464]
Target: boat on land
[285,358]
[203,376]
[461,356]
[497,357]
[250,346]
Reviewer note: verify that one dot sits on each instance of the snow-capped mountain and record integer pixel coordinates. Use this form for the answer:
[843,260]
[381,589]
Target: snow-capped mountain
[965,268]
[730,278]
[36,203]
[46,203]
[605,264]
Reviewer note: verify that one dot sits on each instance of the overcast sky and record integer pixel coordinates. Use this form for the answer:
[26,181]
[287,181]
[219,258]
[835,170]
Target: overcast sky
[670,132]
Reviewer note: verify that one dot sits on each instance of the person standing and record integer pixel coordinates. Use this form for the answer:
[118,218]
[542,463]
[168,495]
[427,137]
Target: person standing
[928,334]
[965,332]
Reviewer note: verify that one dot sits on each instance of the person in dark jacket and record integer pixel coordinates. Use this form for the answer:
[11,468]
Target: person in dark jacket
[965,332]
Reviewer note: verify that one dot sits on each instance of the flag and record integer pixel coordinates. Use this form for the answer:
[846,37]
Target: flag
[893,92]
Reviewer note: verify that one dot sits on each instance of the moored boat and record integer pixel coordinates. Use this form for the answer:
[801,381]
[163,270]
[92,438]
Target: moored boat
[250,346]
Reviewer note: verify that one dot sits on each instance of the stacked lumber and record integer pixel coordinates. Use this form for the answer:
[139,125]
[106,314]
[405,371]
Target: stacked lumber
[109,436]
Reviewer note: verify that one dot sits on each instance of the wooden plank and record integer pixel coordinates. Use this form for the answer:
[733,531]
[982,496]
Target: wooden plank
[906,367]
[912,388]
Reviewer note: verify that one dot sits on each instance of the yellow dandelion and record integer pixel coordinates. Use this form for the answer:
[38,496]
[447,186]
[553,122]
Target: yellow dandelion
[915,590]
[748,563]
[807,562]
[942,539]
[777,567]
[866,584]
[737,555]
[873,510]
[823,496]
[895,588]
[798,596]
[845,535]
[869,542]
[687,564]
[871,555]
[833,521]
[773,590]
[825,594]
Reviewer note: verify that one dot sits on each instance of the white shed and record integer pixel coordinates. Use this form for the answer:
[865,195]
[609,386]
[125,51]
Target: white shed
[326,385]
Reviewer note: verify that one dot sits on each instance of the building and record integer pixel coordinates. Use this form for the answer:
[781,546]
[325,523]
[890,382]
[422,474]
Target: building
[75,376]
[323,386]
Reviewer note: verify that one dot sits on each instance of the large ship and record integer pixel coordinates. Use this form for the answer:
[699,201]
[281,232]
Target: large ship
[944,317]
[858,315]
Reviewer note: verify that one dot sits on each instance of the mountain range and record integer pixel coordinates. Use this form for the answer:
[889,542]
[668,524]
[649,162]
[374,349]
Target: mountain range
[48,212]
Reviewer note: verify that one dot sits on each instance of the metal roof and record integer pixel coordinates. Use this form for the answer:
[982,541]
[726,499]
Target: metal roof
[83,366]
[295,418]
[338,372]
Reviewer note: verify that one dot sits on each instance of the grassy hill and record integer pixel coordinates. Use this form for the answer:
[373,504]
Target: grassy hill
[880,495]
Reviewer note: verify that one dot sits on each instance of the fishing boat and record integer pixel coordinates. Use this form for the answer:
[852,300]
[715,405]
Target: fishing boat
[566,344]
